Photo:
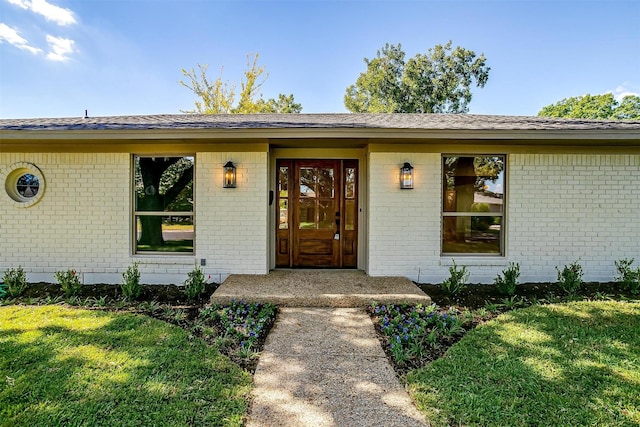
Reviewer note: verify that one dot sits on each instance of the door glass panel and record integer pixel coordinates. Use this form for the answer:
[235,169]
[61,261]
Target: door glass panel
[349,183]
[307,213]
[307,182]
[326,214]
[283,223]
[350,215]
[283,181]
[325,182]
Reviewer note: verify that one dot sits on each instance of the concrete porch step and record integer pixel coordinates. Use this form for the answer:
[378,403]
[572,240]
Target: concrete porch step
[319,288]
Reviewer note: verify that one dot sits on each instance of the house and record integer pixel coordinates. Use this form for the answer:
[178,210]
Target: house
[252,193]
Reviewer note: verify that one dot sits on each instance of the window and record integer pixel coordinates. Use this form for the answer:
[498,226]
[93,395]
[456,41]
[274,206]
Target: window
[163,220]
[24,184]
[473,204]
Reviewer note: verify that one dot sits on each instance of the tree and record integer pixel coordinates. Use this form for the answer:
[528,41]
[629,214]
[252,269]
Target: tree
[219,97]
[163,184]
[437,82]
[603,106]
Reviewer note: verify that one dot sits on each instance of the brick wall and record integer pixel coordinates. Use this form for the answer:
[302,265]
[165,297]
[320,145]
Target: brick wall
[560,208]
[83,220]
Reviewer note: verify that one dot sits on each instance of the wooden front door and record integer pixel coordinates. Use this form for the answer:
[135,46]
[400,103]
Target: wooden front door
[317,211]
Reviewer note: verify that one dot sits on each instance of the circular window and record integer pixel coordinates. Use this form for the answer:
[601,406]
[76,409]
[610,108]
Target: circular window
[24,184]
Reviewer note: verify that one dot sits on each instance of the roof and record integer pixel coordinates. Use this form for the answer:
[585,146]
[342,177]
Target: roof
[467,122]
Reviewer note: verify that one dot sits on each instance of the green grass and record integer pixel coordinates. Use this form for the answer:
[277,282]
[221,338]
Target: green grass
[66,366]
[574,364]
[169,246]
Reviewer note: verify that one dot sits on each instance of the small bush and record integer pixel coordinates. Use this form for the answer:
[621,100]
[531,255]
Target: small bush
[131,287]
[15,281]
[457,279]
[69,282]
[195,283]
[507,281]
[628,277]
[570,278]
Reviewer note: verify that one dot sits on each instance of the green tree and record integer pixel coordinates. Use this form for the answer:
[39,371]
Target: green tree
[588,106]
[219,97]
[439,81]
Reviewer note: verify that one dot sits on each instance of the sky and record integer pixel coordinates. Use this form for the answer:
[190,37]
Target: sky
[59,58]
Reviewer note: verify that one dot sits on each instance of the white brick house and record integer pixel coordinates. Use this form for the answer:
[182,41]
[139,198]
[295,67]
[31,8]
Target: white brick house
[320,190]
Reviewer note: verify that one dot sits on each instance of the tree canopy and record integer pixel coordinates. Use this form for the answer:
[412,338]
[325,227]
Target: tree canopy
[439,81]
[603,106]
[219,97]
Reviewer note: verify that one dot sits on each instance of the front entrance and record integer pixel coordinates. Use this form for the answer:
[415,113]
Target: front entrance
[317,213]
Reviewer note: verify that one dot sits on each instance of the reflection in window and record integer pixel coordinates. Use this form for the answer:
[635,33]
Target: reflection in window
[349,198]
[163,211]
[28,186]
[283,194]
[316,204]
[473,204]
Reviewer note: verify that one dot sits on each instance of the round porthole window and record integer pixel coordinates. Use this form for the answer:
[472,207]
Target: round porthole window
[24,184]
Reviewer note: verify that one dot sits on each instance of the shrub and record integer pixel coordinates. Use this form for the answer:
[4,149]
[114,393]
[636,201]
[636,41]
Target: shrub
[627,277]
[570,277]
[507,281]
[195,283]
[457,279]
[69,282]
[131,287]
[15,281]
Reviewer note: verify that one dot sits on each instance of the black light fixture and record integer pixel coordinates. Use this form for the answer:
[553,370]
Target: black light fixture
[229,175]
[406,176]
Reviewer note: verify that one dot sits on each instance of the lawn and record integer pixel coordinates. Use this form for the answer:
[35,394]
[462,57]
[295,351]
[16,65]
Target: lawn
[573,364]
[69,366]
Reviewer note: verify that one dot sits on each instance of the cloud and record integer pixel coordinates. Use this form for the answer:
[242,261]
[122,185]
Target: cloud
[50,12]
[11,36]
[60,48]
[622,91]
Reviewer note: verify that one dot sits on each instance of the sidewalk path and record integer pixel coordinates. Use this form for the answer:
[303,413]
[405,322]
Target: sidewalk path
[324,367]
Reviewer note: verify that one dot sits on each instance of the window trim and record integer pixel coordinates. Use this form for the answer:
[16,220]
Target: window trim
[502,215]
[134,214]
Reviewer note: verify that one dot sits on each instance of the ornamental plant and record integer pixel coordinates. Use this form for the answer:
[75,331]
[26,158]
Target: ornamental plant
[69,281]
[195,283]
[15,282]
[507,281]
[457,279]
[628,277]
[570,277]
[131,286]
[240,323]
[412,331]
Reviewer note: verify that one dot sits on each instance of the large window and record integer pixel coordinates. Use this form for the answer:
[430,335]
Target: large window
[473,204]
[163,220]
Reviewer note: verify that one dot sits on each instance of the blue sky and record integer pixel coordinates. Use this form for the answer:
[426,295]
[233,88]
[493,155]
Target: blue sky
[111,57]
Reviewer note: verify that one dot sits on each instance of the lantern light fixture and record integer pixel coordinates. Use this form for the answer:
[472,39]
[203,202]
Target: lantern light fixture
[229,175]
[406,176]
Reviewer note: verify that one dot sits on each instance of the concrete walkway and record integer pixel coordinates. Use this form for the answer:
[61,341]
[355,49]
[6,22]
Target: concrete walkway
[324,367]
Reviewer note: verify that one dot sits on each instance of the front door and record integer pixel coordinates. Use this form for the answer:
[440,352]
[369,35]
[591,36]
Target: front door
[317,213]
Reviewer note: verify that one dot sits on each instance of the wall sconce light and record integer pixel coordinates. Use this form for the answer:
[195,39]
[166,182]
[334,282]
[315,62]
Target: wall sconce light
[406,176]
[229,175]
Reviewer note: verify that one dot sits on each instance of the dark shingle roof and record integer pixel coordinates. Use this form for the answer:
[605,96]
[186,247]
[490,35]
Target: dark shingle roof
[467,122]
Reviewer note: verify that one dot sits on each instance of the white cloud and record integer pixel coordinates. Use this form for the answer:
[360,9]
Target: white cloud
[11,36]
[622,91]
[60,48]
[50,12]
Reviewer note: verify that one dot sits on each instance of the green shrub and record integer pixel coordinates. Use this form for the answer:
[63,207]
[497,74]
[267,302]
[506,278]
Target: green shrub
[69,282]
[628,277]
[131,287]
[457,279]
[195,283]
[15,281]
[570,278]
[507,281]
